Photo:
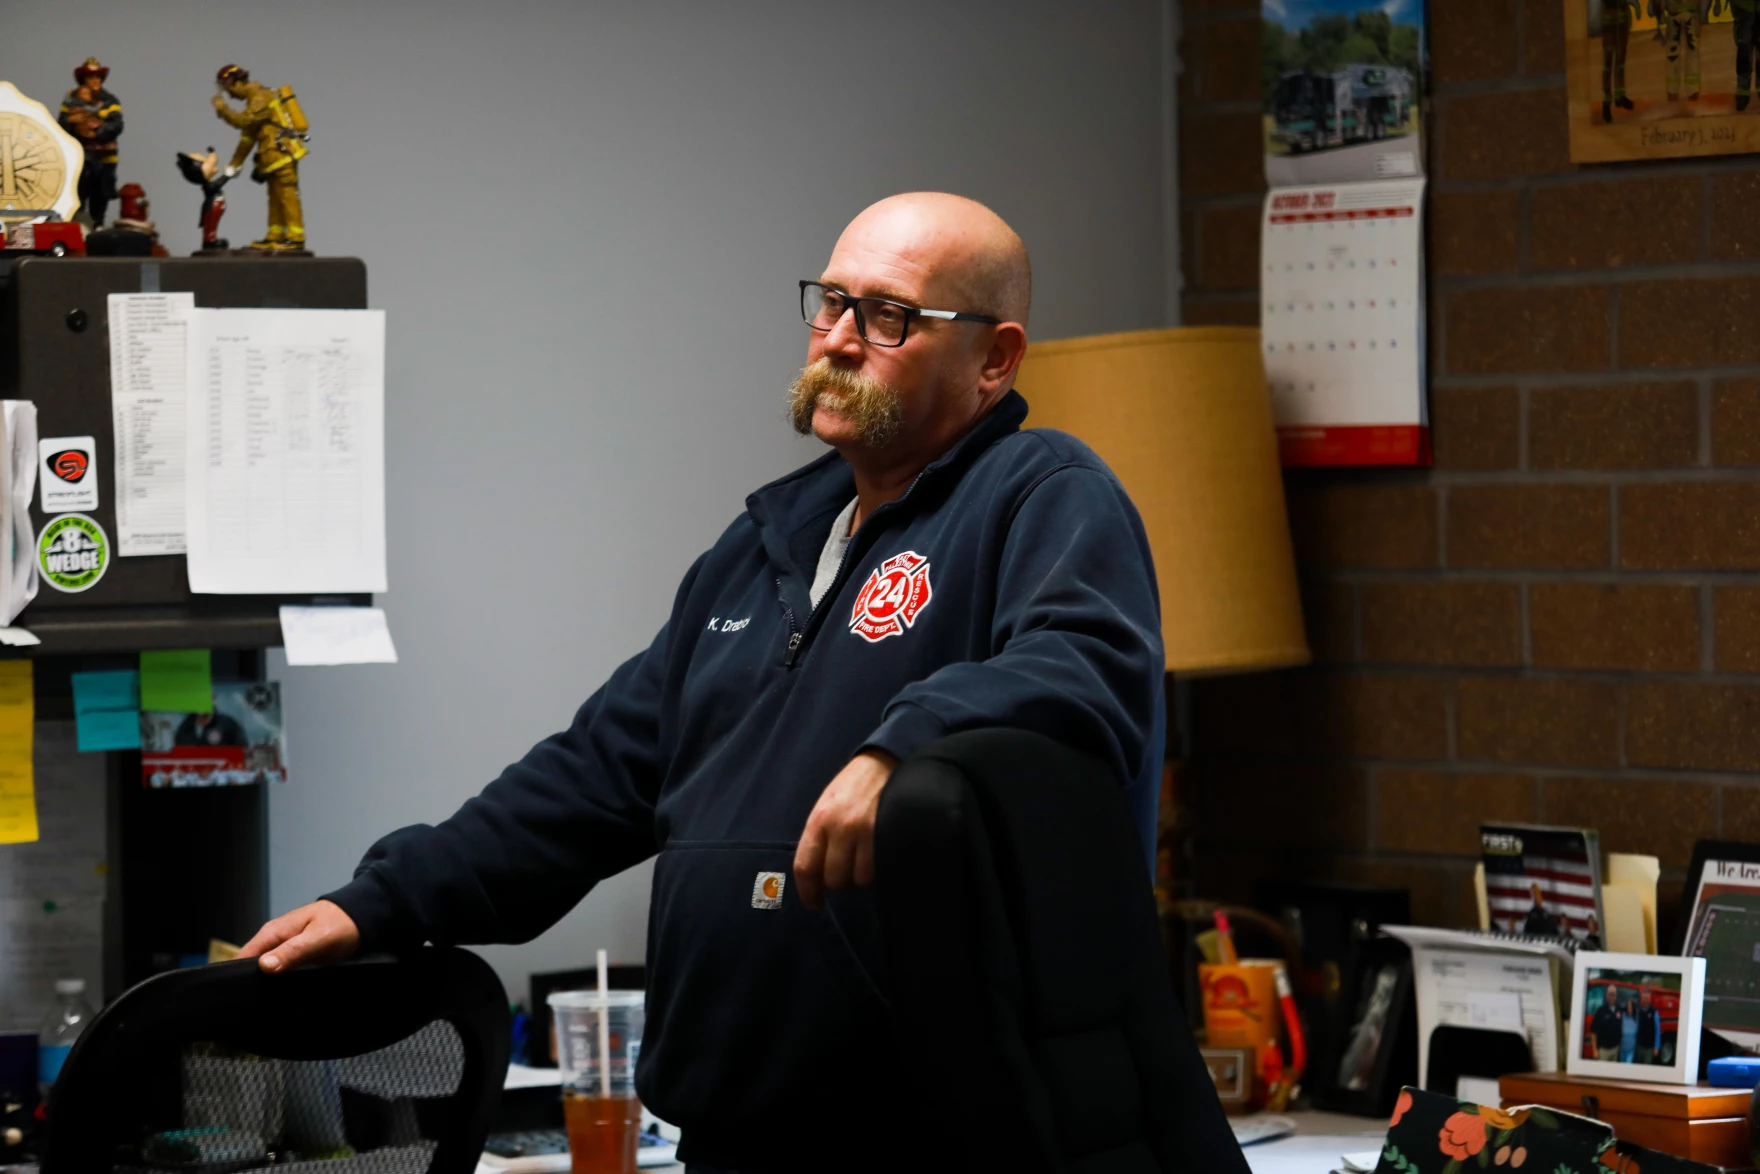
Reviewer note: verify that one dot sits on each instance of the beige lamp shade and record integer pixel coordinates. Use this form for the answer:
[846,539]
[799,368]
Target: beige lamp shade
[1184,419]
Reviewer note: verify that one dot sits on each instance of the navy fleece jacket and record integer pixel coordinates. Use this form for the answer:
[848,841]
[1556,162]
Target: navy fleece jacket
[1010,586]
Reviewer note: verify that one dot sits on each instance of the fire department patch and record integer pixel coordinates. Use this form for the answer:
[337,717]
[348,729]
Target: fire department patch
[892,598]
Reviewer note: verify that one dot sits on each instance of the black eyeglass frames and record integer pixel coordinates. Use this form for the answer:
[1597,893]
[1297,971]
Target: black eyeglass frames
[880,321]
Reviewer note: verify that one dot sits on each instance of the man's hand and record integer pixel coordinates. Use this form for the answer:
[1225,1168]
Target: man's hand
[219,101]
[837,846]
[312,934]
[230,171]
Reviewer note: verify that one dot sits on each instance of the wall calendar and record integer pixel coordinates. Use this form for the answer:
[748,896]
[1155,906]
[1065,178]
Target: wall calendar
[1342,319]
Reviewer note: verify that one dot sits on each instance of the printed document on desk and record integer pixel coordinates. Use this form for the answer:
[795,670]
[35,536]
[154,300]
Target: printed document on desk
[286,451]
[147,404]
[1501,992]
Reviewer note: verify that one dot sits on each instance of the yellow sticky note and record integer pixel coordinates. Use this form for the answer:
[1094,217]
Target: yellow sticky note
[18,790]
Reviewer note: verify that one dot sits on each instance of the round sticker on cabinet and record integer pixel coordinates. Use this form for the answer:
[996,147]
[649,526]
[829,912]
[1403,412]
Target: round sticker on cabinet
[72,552]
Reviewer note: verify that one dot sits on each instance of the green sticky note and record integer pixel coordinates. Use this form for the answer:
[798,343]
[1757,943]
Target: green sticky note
[108,729]
[177,682]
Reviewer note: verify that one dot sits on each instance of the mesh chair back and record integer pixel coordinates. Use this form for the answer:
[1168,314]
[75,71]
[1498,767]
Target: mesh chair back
[377,1066]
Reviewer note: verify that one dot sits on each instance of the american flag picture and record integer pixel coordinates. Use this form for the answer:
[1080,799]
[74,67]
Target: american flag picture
[1543,880]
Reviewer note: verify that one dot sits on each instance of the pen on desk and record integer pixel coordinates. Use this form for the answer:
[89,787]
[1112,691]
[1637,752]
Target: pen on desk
[1225,940]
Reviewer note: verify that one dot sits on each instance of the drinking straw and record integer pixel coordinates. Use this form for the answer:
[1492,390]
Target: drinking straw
[604,1028]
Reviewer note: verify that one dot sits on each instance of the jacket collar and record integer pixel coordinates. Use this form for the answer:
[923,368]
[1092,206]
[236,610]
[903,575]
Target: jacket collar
[808,494]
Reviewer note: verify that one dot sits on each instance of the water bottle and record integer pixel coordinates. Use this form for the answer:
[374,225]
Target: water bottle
[69,1018]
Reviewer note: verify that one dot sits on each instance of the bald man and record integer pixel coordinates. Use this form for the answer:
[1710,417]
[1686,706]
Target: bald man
[939,570]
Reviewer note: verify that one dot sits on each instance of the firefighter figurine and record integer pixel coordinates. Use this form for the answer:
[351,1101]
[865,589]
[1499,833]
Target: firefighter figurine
[275,126]
[91,114]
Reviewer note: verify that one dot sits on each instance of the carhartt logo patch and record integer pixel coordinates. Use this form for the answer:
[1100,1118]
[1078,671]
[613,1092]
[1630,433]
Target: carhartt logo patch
[767,890]
[892,598]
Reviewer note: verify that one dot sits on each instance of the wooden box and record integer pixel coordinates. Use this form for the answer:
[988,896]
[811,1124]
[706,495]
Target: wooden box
[1698,1121]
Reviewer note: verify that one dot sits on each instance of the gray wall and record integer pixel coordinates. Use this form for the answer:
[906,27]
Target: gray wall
[585,222]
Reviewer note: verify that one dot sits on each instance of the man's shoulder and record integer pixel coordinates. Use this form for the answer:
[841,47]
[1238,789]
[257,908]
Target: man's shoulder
[1031,453]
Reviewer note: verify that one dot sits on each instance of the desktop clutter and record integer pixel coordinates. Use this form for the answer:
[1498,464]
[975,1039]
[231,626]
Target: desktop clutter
[64,169]
[1561,1034]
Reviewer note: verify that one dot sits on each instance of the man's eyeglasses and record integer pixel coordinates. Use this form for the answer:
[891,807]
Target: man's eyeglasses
[878,320]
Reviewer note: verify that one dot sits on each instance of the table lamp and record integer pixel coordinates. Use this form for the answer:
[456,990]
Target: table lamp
[1183,418]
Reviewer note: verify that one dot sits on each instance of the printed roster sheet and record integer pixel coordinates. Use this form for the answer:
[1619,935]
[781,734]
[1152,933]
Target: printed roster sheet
[147,399]
[285,451]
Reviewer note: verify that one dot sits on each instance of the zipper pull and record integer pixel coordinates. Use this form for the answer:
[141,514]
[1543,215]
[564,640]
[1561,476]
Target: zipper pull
[794,646]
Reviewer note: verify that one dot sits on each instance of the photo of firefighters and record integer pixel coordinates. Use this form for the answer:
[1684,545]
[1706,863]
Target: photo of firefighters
[1631,1017]
[239,742]
[1636,1017]
[1651,78]
[1341,84]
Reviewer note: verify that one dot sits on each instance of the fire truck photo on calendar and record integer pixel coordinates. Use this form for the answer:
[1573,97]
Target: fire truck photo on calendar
[1342,83]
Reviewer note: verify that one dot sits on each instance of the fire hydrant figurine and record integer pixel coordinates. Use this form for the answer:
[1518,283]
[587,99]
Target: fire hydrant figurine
[272,123]
[91,114]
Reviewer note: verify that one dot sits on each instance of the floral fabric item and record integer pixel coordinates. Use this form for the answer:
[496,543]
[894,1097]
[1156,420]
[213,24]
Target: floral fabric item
[1434,1134]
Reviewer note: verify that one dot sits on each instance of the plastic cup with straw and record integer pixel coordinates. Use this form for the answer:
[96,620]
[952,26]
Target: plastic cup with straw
[600,1108]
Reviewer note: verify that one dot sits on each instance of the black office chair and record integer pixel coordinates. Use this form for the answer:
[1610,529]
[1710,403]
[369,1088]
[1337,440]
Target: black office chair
[378,1066]
[1031,996]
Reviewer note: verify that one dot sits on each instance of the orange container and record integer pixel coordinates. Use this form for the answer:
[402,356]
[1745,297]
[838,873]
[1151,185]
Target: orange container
[1240,1004]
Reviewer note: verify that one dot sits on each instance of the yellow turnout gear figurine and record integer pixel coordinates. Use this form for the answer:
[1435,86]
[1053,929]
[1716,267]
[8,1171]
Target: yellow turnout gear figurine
[272,123]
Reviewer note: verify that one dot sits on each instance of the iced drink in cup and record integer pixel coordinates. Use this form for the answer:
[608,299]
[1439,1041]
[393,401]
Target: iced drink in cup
[599,1105]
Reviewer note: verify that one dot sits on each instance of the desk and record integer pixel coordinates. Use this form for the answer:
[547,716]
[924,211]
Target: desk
[1319,1141]
[1315,1149]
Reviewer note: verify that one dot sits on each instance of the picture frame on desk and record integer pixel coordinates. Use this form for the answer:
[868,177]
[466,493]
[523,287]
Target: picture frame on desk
[1717,918]
[1705,853]
[1378,1051]
[1636,1017]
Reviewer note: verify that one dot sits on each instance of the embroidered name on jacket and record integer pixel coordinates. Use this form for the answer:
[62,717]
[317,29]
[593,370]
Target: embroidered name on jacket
[892,598]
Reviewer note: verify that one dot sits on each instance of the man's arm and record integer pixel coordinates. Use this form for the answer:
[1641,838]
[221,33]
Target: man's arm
[1077,657]
[577,808]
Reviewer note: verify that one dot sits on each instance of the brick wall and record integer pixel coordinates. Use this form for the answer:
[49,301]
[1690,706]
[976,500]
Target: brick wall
[1561,620]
